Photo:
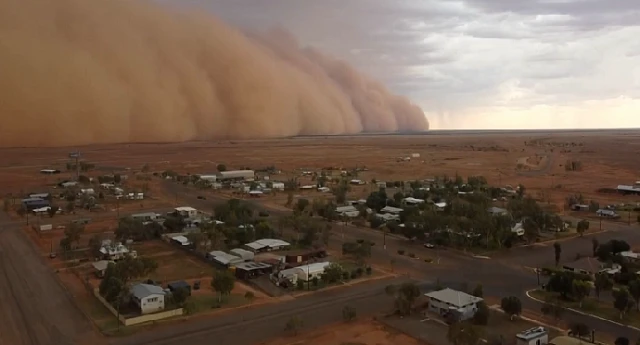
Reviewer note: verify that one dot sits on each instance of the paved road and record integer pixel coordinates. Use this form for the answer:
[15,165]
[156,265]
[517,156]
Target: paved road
[255,325]
[34,308]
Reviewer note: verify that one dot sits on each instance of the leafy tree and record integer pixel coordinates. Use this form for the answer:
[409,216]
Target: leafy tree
[117,276]
[602,283]
[52,211]
[607,251]
[481,317]
[579,329]
[249,296]
[621,341]
[622,300]
[377,200]
[634,291]
[223,282]
[301,205]
[221,167]
[333,272]
[348,313]
[294,325]
[180,296]
[581,290]
[511,305]
[406,295]
[73,232]
[582,226]
[464,333]
[557,250]
[594,245]
[95,243]
[478,291]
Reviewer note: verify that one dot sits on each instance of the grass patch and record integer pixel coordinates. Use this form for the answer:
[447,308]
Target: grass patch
[594,306]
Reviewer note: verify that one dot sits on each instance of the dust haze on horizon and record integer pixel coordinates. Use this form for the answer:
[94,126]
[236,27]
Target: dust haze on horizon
[82,72]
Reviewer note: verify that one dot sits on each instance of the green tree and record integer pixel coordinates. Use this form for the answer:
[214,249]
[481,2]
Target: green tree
[602,283]
[73,232]
[405,297]
[333,272]
[553,307]
[52,211]
[301,206]
[294,325]
[634,291]
[557,250]
[95,243]
[622,300]
[511,306]
[581,289]
[478,291]
[348,313]
[582,226]
[223,282]
[481,317]
[180,296]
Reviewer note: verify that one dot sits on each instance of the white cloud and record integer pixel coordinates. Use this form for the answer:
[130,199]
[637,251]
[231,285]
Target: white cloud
[478,63]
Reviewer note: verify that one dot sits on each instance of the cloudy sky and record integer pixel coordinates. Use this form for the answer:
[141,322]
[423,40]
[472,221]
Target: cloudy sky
[477,63]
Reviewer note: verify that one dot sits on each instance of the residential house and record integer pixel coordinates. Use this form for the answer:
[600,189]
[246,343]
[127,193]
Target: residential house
[533,336]
[497,211]
[115,251]
[412,201]
[607,213]
[391,210]
[452,303]
[186,211]
[145,217]
[267,245]
[631,256]
[324,189]
[149,298]
[100,267]
[31,204]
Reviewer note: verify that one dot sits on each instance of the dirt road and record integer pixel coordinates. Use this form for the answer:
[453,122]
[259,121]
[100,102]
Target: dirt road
[34,308]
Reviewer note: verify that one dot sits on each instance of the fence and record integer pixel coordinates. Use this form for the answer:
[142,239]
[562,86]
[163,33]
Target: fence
[138,319]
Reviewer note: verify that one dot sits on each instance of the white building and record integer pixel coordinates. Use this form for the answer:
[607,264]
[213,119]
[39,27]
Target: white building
[277,186]
[392,210]
[115,252]
[267,244]
[186,211]
[533,336]
[149,298]
[343,209]
[304,273]
[518,229]
[412,201]
[246,175]
[224,259]
[145,217]
[449,301]
[440,206]
[210,178]
[181,240]
[631,256]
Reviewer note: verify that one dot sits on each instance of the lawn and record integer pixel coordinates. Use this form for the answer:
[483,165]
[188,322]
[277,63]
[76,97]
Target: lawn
[204,303]
[594,306]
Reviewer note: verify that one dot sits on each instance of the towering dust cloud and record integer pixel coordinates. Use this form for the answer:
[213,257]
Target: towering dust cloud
[105,71]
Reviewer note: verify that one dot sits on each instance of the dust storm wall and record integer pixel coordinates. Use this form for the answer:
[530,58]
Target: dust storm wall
[79,72]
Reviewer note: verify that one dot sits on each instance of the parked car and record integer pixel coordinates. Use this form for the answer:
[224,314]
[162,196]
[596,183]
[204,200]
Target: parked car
[429,245]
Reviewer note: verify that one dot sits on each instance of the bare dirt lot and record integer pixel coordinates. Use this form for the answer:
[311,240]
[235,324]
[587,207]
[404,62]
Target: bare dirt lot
[356,333]
[605,159]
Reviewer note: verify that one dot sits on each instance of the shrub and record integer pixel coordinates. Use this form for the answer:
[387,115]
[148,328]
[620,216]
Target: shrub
[359,271]
[345,275]
[428,260]
[411,255]
[368,270]
[354,275]
[401,251]
[300,285]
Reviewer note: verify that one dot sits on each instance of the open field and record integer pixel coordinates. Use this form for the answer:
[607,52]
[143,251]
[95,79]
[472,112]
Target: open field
[605,158]
[356,333]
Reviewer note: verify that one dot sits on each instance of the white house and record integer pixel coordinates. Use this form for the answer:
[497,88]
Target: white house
[186,211]
[312,270]
[392,210]
[115,252]
[449,301]
[533,336]
[149,298]
[277,185]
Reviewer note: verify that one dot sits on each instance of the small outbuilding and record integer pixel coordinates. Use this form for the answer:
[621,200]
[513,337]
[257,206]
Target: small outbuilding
[249,270]
[245,255]
[533,336]
[179,285]
[266,245]
[223,259]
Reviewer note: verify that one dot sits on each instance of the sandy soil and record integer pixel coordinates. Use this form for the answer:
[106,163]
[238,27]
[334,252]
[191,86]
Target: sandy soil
[356,333]
[606,160]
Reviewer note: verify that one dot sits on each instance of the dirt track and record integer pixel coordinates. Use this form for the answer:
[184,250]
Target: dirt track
[34,308]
